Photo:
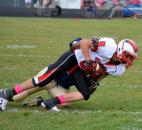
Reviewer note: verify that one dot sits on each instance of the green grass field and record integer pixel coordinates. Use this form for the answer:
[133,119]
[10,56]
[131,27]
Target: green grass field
[29,44]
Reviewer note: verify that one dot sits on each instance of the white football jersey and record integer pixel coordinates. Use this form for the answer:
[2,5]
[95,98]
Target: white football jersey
[104,54]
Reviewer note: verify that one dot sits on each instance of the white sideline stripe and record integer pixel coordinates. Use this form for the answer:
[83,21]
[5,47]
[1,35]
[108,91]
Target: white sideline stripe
[119,112]
[129,128]
[82,112]
[18,110]
[12,68]
[134,86]
[138,120]
[22,55]
[20,46]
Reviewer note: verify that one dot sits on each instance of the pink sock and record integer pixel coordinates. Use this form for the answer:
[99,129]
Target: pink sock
[62,99]
[18,88]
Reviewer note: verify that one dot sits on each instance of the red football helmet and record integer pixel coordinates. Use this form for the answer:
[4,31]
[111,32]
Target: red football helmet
[127,52]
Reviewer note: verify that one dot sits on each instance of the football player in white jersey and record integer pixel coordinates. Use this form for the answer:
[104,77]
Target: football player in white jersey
[85,62]
[114,58]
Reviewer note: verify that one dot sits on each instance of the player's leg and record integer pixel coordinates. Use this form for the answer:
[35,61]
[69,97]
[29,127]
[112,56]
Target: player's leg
[83,92]
[21,96]
[29,88]
[65,62]
[57,90]
[53,90]
[8,94]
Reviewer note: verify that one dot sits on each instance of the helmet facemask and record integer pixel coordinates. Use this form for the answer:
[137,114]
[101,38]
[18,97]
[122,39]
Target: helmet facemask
[127,59]
[127,52]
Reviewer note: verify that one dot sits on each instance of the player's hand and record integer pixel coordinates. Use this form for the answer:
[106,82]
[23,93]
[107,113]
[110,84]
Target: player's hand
[88,66]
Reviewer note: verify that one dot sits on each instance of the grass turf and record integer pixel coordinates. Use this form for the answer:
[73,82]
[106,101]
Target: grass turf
[29,44]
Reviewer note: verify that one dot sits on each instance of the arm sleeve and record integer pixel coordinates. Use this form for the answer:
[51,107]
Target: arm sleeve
[116,70]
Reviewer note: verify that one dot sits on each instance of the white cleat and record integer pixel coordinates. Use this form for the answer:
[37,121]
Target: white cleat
[55,109]
[4,95]
[3,103]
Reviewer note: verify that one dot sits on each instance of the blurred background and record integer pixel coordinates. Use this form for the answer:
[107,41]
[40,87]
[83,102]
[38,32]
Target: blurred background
[72,8]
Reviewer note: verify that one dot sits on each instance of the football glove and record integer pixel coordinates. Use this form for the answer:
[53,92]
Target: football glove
[88,66]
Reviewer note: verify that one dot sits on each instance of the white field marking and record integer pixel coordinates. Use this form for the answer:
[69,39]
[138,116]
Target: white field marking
[129,128]
[82,112]
[18,110]
[13,68]
[119,112]
[134,86]
[138,120]
[134,113]
[20,46]
[23,55]
[65,111]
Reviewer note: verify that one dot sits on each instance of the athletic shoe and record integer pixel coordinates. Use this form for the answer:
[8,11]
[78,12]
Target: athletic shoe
[35,102]
[5,96]
[54,109]
[50,104]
